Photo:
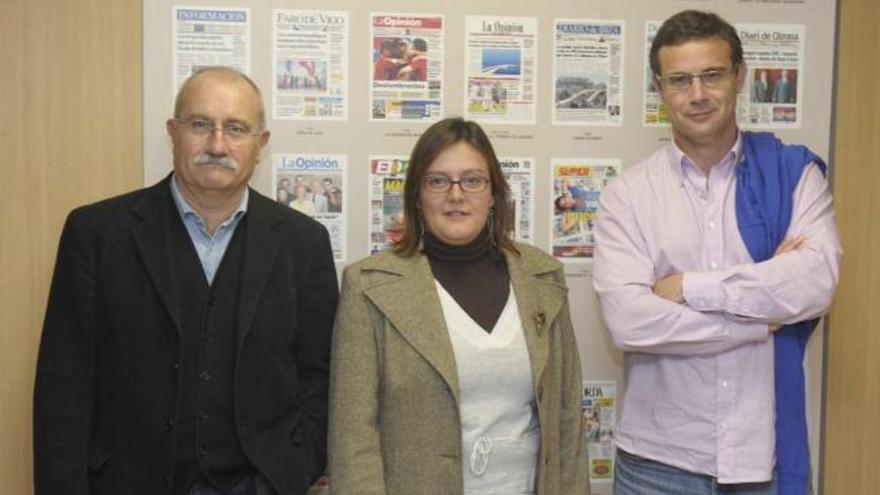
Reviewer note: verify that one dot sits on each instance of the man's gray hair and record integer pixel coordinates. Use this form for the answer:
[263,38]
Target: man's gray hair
[231,71]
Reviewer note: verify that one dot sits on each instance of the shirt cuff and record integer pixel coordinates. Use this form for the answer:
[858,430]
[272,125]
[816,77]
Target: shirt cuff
[702,291]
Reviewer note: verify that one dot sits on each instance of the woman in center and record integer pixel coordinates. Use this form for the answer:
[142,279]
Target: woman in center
[454,368]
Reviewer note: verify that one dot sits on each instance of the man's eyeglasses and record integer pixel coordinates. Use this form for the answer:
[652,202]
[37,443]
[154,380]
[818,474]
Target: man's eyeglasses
[202,128]
[441,183]
[682,81]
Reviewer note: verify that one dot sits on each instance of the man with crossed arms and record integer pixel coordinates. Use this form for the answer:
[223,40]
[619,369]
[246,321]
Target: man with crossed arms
[715,256]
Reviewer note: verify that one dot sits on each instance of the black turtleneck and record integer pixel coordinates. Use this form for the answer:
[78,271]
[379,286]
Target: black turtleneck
[475,275]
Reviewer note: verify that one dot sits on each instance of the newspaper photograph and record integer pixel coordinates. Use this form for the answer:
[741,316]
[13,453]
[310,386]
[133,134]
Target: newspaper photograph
[314,184]
[386,220]
[587,69]
[310,63]
[577,183]
[654,112]
[772,96]
[598,409]
[500,64]
[406,73]
[520,175]
[205,37]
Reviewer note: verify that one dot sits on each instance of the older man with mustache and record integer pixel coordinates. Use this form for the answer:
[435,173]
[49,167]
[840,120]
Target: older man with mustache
[186,342]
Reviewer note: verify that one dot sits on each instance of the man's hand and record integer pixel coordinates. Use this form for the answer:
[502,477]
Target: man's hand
[790,244]
[670,288]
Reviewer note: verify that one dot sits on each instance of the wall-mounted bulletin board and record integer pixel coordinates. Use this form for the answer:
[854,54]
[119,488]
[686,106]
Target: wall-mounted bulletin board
[562,88]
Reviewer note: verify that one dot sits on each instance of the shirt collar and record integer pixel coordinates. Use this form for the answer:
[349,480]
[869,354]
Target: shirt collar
[679,160]
[186,210]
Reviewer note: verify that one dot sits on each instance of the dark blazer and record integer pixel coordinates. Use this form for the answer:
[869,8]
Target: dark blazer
[107,380]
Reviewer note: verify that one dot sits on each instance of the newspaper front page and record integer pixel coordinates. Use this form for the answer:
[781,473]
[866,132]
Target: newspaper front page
[500,64]
[587,66]
[386,217]
[598,408]
[311,64]
[206,37]
[654,112]
[314,184]
[406,73]
[577,184]
[772,95]
[520,175]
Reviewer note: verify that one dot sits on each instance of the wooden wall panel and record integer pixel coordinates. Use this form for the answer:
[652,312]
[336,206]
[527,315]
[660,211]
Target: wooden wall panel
[70,128]
[852,435]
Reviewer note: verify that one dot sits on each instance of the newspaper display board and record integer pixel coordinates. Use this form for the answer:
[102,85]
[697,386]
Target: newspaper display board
[205,37]
[599,416]
[654,111]
[772,95]
[310,61]
[314,184]
[500,69]
[406,75]
[520,175]
[587,69]
[242,36]
[577,184]
[386,218]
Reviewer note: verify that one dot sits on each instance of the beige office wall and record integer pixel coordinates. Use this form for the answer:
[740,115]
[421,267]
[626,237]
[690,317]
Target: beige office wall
[852,432]
[70,127]
[70,133]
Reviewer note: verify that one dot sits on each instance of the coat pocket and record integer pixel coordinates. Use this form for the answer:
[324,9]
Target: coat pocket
[98,459]
[295,433]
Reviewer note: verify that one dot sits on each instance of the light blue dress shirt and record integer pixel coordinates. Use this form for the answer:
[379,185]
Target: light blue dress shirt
[209,248]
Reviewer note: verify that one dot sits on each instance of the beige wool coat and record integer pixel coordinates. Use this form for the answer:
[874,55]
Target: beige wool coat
[394,394]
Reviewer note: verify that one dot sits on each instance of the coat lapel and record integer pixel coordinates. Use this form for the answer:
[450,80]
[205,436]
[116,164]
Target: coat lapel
[539,300]
[408,298]
[404,292]
[261,246]
[152,239]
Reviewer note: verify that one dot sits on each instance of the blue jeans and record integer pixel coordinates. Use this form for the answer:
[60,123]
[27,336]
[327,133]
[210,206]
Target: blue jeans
[253,485]
[634,475]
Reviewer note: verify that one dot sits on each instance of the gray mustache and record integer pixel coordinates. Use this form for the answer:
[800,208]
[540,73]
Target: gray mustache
[223,161]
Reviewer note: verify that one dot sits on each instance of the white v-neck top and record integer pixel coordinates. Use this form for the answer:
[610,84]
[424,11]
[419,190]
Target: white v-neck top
[500,432]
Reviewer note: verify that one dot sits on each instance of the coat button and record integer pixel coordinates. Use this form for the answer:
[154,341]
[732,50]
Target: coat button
[167,479]
[204,376]
[170,424]
[203,452]
[203,415]
[176,366]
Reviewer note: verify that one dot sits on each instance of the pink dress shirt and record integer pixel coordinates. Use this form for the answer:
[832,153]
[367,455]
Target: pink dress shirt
[699,376]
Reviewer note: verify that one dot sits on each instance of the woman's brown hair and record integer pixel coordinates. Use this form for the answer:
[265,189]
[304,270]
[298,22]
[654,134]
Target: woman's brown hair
[434,141]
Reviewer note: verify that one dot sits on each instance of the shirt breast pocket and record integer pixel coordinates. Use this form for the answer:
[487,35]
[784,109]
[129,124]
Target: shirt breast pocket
[674,242]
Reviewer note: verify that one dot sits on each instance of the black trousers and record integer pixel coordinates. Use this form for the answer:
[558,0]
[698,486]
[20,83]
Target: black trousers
[252,485]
